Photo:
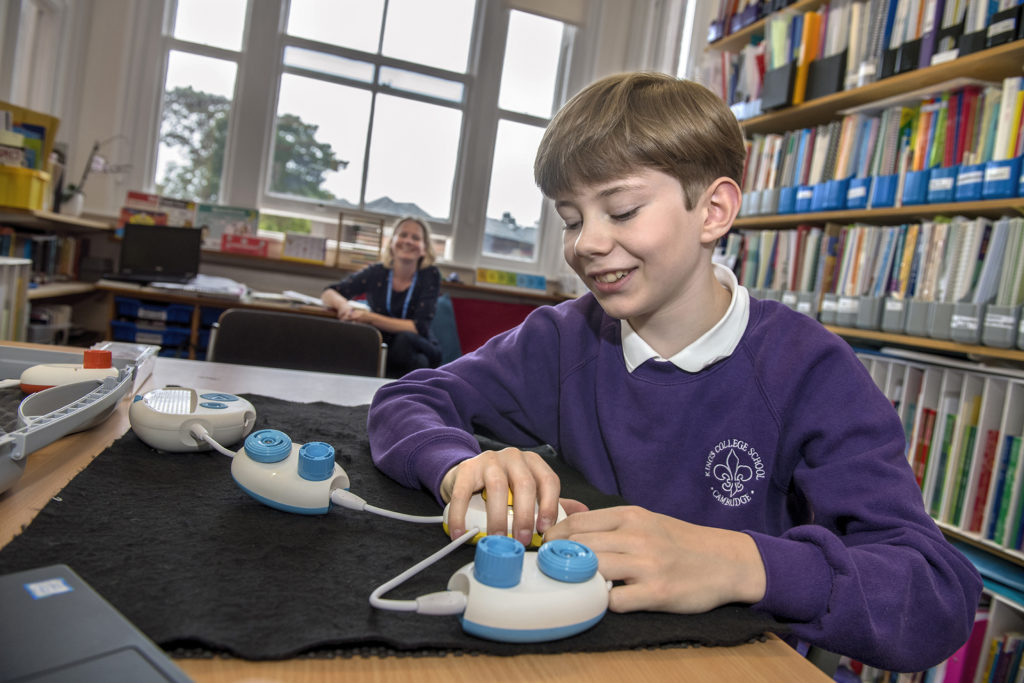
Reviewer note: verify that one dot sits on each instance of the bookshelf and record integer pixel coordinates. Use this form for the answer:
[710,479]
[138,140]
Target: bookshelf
[992,208]
[988,65]
[86,236]
[915,371]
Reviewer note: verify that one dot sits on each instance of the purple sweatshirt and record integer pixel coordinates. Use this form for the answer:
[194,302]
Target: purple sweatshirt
[788,439]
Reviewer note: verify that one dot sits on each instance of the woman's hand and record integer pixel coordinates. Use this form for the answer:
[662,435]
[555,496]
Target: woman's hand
[356,314]
[525,473]
[665,564]
[333,300]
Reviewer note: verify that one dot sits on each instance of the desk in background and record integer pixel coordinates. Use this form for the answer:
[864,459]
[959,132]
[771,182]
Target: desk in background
[49,469]
[188,330]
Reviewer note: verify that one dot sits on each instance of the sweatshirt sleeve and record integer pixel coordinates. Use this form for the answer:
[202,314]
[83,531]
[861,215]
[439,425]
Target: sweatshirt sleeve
[423,424]
[871,575]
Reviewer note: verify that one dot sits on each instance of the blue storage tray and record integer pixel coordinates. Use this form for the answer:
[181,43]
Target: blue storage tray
[163,335]
[171,313]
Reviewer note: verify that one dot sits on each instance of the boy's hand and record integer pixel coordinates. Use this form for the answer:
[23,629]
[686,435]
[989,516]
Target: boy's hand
[666,564]
[524,473]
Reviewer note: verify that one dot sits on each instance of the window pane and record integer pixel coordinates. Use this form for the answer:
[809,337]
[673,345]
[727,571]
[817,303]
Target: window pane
[194,125]
[530,70]
[410,81]
[219,23]
[346,23]
[320,140]
[431,32]
[514,204]
[331,65]
[412,158]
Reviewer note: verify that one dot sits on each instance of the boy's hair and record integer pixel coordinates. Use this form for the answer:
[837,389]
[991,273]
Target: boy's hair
[628,122]
[428,258]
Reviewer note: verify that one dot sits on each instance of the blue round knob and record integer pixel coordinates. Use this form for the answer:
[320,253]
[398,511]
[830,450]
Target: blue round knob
[316,461]
[498,561]
[268,445]
[567,561]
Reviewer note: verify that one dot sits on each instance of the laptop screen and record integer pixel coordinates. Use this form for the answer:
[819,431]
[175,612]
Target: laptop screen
[160,253]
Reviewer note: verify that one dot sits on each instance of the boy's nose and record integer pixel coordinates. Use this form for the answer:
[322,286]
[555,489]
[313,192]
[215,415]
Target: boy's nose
[593,238]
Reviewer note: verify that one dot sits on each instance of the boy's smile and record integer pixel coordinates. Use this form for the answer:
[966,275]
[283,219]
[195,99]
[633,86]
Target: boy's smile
[643,254]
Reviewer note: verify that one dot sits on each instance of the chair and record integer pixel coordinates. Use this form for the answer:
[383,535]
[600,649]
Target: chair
[445,330]
[296,341]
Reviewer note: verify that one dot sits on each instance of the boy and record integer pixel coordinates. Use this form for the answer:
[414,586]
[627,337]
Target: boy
[765,465]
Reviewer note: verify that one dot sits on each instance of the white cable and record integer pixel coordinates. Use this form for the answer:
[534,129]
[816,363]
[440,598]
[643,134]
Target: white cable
[199,433]
[351,501]
[441,603]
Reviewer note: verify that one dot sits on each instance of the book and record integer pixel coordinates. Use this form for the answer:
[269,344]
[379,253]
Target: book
[924,444]
[963,474]
[808,52]
[961,666]
[1005,476]
[216,221]
[988,456]
[301,247]
[952,483]
[939,464]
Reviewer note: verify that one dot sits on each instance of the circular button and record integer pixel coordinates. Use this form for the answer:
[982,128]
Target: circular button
[268,445]
[316,461]
[498,561]
[567,561]
[213,405]
[216,396]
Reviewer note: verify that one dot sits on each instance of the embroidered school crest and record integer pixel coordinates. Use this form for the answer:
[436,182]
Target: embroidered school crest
[733,468]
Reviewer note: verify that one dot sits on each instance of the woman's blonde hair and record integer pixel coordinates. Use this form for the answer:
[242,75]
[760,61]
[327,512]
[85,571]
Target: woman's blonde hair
[428,258]
[628,122]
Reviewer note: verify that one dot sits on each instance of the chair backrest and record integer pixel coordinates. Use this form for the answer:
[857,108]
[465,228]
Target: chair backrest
[297,342]
[445,330]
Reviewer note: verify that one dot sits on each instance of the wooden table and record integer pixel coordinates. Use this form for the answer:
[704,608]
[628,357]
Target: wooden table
[48,470]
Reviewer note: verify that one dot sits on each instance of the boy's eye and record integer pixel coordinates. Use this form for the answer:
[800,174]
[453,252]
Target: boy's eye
[626,215]
[572,225]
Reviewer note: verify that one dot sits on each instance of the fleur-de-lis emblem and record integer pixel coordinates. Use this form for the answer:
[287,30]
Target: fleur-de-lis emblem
[732,474]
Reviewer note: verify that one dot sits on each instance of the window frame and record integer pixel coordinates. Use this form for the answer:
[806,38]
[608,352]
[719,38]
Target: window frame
[246,166]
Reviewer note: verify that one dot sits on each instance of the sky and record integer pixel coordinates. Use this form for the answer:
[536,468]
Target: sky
[436,33]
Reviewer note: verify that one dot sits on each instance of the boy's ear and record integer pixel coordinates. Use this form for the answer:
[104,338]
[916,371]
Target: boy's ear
[722,203]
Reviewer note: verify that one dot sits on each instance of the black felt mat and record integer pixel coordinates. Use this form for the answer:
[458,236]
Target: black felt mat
[196,563]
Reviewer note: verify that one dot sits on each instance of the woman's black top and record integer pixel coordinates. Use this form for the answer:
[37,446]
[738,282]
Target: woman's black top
[373,282]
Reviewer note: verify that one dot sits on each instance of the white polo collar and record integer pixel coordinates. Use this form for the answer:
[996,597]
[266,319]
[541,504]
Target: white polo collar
[717,343]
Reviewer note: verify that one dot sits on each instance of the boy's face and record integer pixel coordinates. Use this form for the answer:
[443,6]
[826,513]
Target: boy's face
[635,244]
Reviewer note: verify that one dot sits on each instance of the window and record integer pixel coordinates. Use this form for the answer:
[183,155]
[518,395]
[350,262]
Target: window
[203,52]
[310,108]
[193,130]
[536,51]
[371,105]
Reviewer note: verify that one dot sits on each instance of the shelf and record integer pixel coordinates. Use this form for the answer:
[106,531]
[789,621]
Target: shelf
[735,41]
[47,220]
[1016,355]
[993,208]
[992,64]
[53,290]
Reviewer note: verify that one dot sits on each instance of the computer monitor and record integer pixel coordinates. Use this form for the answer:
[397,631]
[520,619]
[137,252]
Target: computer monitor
[159,253]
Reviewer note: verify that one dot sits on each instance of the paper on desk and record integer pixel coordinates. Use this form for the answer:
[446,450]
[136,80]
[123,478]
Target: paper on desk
[292,295]
[209,285]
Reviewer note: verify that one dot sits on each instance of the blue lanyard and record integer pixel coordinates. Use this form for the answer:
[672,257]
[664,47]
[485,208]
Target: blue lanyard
[408,292]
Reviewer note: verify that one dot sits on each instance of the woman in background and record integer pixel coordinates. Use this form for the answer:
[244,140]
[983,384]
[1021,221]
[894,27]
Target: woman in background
[401,292]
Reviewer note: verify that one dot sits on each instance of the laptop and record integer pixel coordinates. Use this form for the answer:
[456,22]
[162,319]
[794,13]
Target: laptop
[54,627]
[158,253]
